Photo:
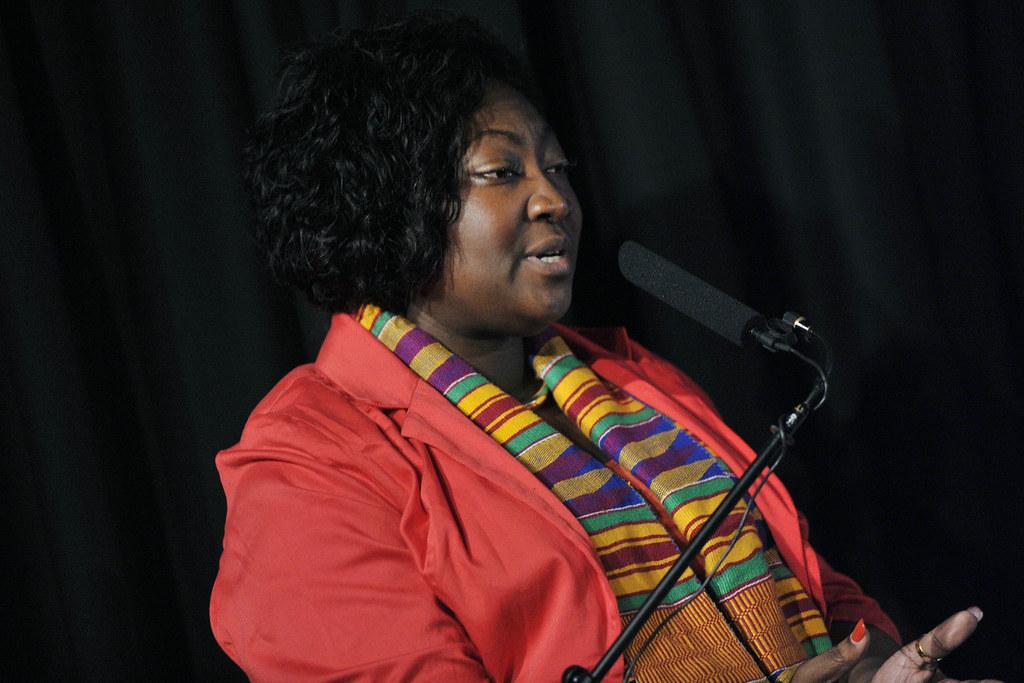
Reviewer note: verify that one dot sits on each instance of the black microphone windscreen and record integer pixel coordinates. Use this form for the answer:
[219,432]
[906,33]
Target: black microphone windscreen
[689,295]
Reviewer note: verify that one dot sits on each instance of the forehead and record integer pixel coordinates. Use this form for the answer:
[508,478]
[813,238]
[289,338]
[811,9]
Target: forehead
[506,110]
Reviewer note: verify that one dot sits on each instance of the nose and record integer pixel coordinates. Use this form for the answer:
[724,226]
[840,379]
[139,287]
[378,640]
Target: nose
[548,203]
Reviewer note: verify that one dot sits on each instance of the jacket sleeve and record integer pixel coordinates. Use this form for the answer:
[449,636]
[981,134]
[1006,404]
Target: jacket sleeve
[316,582]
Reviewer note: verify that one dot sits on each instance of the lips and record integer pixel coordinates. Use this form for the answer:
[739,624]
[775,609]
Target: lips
[556,245]
[551,255]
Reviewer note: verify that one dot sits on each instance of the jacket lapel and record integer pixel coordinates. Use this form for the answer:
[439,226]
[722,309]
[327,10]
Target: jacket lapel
[433,420]
[381,378]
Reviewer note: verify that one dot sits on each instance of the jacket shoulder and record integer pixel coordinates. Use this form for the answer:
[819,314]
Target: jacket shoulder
[308,434]
[310,403]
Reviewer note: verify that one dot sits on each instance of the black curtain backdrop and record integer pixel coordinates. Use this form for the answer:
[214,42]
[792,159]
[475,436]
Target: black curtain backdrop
[858,162]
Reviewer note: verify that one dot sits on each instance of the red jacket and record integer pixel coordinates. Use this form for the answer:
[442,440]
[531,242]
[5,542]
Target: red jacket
[375,534]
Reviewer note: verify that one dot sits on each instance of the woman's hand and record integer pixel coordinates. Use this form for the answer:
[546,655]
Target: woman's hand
[915,662]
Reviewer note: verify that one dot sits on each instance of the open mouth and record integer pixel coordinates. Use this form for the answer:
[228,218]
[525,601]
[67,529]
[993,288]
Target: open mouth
[550,256]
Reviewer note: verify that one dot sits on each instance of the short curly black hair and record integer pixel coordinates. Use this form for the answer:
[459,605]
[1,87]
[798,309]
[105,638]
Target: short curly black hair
[355,171]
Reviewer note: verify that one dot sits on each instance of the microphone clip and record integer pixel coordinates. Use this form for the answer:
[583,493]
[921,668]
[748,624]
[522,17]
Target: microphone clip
[783,334]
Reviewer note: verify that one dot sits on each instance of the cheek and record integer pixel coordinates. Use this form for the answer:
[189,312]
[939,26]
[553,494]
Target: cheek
[576,217]
[484,271]
[484,244]
[478,270]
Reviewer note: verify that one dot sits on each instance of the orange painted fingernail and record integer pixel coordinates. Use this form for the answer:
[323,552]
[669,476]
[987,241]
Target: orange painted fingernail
[858,632]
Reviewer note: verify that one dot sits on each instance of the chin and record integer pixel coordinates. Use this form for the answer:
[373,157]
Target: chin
[551,312]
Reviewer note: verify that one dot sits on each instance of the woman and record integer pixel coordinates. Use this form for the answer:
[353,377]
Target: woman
[458,489]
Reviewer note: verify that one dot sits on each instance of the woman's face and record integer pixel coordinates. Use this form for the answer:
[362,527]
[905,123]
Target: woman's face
[512,250]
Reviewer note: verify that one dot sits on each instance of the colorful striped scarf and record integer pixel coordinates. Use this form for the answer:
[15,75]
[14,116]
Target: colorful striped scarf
[754,622]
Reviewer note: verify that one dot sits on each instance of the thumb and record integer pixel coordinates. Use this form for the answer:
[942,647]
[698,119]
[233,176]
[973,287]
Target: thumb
[833,664]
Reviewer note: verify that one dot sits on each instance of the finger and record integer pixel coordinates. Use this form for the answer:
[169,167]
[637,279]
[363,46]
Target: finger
[834,663]
[945,637]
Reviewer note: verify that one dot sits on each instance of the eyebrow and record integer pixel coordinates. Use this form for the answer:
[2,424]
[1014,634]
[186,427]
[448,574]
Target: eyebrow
[514,137]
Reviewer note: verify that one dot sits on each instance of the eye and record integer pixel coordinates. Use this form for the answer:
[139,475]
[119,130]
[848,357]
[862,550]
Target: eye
[560,168]
[503,173]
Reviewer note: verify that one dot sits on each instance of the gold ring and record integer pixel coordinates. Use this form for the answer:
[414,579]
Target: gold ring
[927,661]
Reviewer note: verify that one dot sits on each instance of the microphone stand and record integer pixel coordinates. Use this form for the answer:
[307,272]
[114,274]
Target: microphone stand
[788,424]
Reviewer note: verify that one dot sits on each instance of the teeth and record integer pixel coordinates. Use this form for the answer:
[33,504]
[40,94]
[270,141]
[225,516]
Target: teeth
[549,258]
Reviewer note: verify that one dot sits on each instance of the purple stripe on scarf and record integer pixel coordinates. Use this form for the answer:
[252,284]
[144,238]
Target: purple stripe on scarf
[613,495]
[648,470]
[572,462]
[449,371]
[679,454]
[620,435]
[414,340]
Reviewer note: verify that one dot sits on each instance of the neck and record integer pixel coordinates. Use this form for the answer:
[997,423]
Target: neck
[502,360]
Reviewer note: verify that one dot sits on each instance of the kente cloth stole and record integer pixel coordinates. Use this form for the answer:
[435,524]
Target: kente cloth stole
[767,611]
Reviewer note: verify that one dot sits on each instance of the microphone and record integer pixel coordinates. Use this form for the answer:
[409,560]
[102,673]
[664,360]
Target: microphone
[689,295]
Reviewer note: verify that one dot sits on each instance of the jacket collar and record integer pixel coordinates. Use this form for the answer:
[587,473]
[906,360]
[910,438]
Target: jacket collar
[377,376]
[381,378]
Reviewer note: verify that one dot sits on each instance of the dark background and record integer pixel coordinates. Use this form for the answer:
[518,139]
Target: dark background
[859,162]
